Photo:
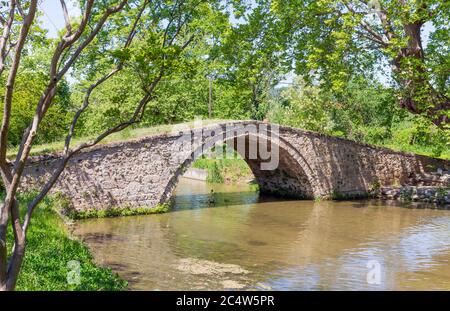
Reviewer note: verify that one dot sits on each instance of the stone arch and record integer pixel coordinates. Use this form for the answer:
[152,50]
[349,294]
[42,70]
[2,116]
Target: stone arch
[291,178]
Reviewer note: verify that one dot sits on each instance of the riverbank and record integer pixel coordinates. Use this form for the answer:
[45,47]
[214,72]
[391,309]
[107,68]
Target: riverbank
[226,171]
[53,257]
[428,194]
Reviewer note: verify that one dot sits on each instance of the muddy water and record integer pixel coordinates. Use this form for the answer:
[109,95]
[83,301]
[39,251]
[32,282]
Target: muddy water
[232,239]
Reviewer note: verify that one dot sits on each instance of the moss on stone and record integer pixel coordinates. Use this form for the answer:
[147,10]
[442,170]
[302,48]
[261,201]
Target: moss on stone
[406,195]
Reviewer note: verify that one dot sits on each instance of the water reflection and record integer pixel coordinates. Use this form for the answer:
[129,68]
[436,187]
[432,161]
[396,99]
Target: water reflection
[238,240]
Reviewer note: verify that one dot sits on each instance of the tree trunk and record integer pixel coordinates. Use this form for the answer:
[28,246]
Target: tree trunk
[3,249]
[417,94]
[15,265]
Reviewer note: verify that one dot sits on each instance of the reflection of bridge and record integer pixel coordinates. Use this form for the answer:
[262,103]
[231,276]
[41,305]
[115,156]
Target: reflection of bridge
[285,161]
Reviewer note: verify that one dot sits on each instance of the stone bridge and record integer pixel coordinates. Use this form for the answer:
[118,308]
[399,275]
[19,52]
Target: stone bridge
[285,161]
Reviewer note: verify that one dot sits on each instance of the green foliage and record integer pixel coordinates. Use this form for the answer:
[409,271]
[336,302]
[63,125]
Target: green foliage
[182,93]
[253,57]
[419,136]
[112,103]
[365,112]
[254,187]
[32,78]
[301,106]
[333,40]
[49,250]
[30,83]
[406,195]
[440,195]
[245,47]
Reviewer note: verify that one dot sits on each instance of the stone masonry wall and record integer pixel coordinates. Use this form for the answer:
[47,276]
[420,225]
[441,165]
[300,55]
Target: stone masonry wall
[428,194]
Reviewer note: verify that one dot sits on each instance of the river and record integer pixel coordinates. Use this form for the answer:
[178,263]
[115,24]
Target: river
[234,239]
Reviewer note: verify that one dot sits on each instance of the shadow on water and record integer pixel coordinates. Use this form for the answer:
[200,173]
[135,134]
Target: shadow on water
[221,199]
[213,199]
[226,199]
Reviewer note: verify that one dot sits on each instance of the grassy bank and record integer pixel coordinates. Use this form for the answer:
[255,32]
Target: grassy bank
[229,171]
[118,212]
[51,254]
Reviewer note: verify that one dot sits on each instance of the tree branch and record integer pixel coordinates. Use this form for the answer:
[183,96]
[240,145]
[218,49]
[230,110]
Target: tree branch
[371,38]
[67,154]
[6,34]
[95,31]
[18,250]
[58,68]
[10,203]
[66,17]
[10,83]
[19,7]
[375,36]
[50,91]
[135,118]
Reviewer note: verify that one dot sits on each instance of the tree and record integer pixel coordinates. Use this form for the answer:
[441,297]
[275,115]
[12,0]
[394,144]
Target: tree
[149,37]
[253,55]
[180,96]
[30,82]
[331,40]
[364,105]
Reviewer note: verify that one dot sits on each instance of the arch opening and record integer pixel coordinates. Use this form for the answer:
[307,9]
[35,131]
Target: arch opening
[287,179]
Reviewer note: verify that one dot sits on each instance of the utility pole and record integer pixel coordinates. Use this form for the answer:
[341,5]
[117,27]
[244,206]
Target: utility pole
[210,98]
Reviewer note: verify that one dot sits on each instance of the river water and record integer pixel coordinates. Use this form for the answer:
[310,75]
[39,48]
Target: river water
[234,239]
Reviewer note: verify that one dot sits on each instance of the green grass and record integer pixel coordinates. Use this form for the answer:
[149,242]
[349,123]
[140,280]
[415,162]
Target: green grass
[229,170]
[214,174]
[120,136]
[49,251]
[118,212]
[417,149]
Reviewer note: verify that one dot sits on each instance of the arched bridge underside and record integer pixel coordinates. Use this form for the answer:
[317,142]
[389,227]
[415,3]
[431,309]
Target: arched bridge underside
[285,161]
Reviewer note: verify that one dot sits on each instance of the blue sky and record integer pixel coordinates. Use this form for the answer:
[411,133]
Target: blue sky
[53,19]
